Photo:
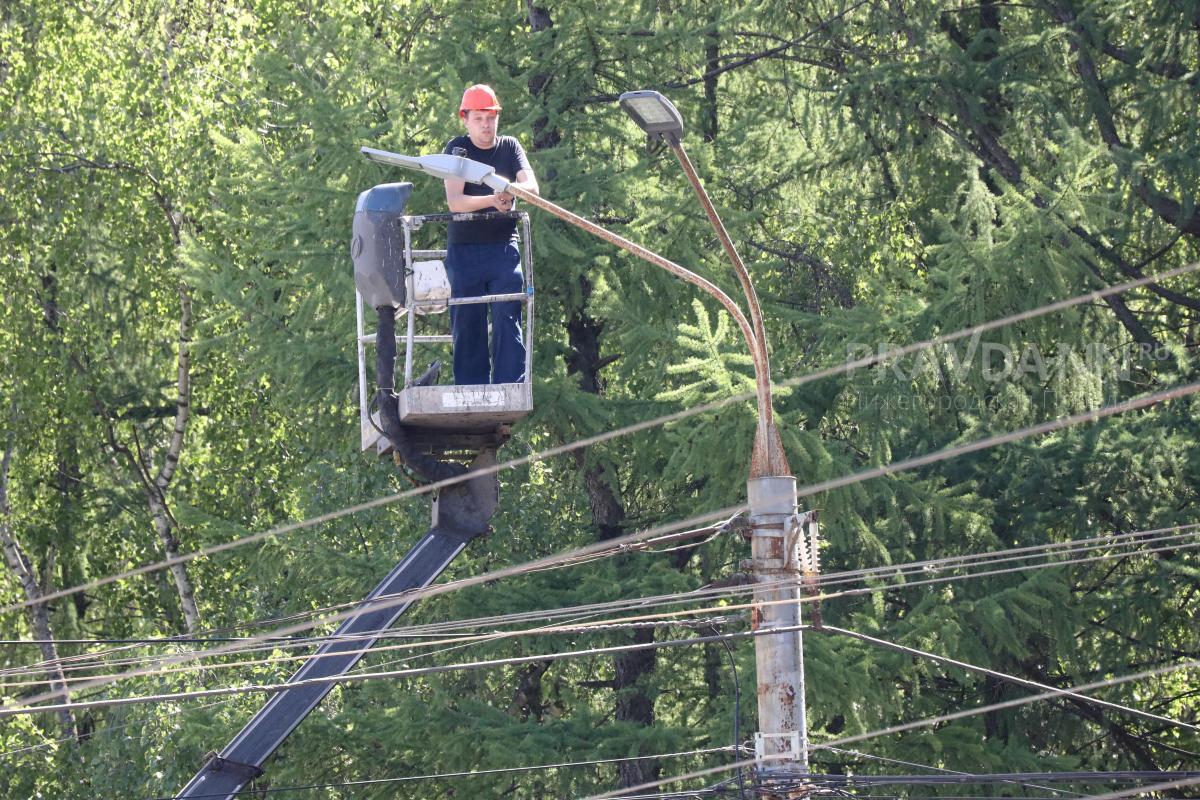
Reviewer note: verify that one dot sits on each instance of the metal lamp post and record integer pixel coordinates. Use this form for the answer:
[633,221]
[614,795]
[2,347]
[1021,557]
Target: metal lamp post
[772,491]
[657,116]
[780,539]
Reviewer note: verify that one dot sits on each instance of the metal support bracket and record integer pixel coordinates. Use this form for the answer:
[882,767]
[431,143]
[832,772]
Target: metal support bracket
[793,738]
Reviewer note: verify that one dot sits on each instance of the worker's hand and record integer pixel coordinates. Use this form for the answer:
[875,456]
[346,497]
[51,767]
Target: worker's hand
[504,201]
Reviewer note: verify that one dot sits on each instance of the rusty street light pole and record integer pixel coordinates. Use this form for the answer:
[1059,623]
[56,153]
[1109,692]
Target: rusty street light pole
[778,533]
[780,538]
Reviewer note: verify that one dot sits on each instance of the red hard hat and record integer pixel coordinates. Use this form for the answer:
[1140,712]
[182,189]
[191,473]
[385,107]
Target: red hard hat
[479,97]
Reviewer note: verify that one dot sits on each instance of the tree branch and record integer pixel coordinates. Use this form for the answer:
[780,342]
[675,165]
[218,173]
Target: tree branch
[1167,208]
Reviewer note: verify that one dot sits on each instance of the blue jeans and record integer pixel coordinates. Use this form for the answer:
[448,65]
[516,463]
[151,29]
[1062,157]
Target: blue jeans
[476,270]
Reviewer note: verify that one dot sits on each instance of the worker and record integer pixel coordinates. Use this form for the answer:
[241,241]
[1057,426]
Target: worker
[482,256]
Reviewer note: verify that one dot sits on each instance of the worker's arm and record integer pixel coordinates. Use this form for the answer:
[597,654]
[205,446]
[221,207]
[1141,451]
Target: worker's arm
[526,180]
[461,203]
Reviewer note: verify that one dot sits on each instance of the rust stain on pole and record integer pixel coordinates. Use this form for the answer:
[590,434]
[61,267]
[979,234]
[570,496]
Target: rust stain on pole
[772,460]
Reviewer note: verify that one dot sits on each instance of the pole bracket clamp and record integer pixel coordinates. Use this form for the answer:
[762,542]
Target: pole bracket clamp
[792,739]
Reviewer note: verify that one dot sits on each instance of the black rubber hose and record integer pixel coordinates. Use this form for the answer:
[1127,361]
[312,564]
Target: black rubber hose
[423,464]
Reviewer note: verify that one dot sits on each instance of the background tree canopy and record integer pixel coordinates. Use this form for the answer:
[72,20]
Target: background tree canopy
[177,337]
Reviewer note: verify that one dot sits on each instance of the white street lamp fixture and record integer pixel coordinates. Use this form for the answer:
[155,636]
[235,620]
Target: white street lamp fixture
[441,165]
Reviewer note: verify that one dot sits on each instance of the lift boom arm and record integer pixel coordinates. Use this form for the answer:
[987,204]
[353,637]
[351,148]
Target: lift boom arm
[460,513]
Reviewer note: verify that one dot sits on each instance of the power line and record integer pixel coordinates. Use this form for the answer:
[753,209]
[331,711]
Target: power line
[1058,792]
[1004,438]
[965,778]
[111,728]
[463,774]
[642,603]
[39,746]
[516,660]
[992,673]
[949,717]
[555,630]
[890,570]
[893,571]
[1073,545]
[912,463]
[9,711]
[808,780]
[701,773]
[888,470]
[272,641]
[606,436]
[97,680]
[642,620]
[1157,787]
[438,589]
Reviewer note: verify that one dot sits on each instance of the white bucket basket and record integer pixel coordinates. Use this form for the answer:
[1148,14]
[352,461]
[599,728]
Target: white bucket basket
[430,284]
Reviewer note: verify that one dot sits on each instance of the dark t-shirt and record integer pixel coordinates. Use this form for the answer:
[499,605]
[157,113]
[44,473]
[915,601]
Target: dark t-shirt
[507,157]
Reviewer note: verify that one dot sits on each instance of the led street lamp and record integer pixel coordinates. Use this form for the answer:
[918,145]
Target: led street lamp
[654,114]
[441,166]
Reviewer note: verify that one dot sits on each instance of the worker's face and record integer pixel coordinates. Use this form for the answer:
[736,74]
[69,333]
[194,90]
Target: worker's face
[482,127]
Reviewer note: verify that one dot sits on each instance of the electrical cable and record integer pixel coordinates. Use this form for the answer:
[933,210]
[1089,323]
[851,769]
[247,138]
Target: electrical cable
[1067,547]
[438,589]
[404,633]
[600,626]
[955,715]
[466,640]
[744,606]
[464,774]
[1141,401]
[21,710]
[991,673]
[833,483]
[968,778]
[860,754]
[807,782]
[121,726]
[625,544]
[940,769]
[702,773]
[606,436]
[750,605]
[737,713]
[492,663]
[109,728]
[1156,787]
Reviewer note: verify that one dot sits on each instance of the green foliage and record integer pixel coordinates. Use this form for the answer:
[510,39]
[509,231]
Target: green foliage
[890,171]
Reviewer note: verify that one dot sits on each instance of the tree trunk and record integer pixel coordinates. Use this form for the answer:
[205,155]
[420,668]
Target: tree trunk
[156,490]
[39,614]
[155,487]
[170,545]
[636,705]
[633,702]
